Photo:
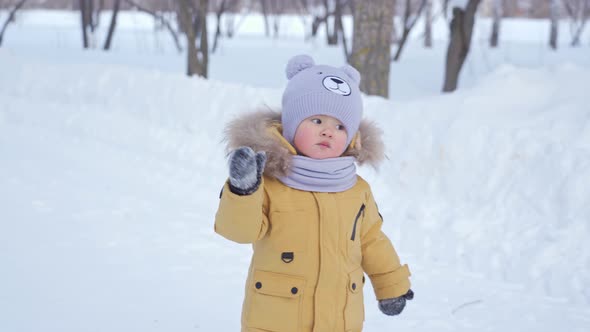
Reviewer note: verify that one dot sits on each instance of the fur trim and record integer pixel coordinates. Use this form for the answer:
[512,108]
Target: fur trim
[260,131]
[368,147]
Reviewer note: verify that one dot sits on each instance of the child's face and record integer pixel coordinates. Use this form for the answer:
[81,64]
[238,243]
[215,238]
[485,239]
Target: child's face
[320,137]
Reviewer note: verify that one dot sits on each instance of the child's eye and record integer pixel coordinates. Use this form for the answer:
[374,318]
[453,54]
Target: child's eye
[340,127]
[316,121]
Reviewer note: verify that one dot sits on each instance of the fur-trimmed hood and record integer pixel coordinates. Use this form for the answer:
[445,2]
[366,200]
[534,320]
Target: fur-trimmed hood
[261,130]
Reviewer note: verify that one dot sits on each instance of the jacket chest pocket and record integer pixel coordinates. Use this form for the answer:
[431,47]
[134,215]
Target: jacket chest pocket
[275,301]
[353,237]
[289,230]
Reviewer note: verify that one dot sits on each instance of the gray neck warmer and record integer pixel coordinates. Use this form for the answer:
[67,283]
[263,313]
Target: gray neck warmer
[321,175]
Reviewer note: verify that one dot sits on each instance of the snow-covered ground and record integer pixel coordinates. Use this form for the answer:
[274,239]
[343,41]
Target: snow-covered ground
[111,165]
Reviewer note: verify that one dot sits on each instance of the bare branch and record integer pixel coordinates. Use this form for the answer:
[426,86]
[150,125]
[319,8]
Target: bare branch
[159,17]
[568,8]
[107,43]
[409,23]
[10,18]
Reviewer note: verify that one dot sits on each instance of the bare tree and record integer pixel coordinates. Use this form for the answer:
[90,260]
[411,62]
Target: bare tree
[10,18]
[303,12]
[347,4]
[338,28]
[410,20]
[193,22]
[578,11]
[371,51]
[224,6]
[90,19]
[264,8]
[428,24]
[335,35]
[554,17]
[332,12]
[116,6]
[231,26]
[95,12]
[158,17]
[460,42]
[497,16]
[277,8]
[85,20]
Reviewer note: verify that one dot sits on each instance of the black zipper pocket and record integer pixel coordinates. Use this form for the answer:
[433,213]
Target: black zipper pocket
[362,209]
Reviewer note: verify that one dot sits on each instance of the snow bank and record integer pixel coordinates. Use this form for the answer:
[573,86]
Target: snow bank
[493,179]
[496,177]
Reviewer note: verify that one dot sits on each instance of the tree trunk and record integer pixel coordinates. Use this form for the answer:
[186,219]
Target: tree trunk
[204,49]
[428,24]
[95,14]
[554,30]
[460,41]
[577,10]
[85,21]
[197,56]
[230,22]
[343,38]
[116,6]
[10,19]
[264,5]
[496,23]
[371,50]
[577,34]
[277,10]
[333,35]
[218,14]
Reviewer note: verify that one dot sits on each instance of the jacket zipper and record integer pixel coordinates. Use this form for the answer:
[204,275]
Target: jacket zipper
[362,209]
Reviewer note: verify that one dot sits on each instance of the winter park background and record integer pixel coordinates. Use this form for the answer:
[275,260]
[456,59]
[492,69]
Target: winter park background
[111,165]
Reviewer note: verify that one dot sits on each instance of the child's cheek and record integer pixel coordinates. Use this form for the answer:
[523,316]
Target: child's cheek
[302,138]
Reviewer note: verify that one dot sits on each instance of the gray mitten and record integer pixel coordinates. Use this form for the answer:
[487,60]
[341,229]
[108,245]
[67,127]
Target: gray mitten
[394,306]
[245,170]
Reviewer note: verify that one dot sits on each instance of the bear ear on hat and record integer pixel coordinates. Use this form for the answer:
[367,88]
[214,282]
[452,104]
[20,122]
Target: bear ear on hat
[352,73]
[297,64]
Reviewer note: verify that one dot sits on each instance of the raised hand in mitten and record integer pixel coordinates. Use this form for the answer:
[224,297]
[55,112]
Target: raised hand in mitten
[245,170]
[394,306]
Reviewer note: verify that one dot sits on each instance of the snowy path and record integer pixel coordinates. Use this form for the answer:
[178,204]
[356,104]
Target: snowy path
[102,236]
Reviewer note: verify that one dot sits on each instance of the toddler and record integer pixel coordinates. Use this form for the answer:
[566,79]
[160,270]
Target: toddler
[293,192]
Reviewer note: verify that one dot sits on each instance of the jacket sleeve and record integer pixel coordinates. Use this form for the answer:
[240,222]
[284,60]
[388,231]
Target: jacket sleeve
[242,219]
[380,260]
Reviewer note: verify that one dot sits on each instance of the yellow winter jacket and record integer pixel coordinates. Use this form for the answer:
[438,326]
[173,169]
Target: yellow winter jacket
[311,249]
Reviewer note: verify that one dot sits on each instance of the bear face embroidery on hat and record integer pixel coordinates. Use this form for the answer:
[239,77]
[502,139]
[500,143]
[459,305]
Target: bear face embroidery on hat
[336,85]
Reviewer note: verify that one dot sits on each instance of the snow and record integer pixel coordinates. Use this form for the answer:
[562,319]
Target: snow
[111,165]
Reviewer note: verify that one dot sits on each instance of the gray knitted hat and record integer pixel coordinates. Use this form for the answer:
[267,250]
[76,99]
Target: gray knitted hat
[321,90]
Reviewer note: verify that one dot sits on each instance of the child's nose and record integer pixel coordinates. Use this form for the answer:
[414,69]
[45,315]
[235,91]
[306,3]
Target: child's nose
[327,133]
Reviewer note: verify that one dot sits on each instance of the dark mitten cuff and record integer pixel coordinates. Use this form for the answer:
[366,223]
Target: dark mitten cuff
[246,191]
